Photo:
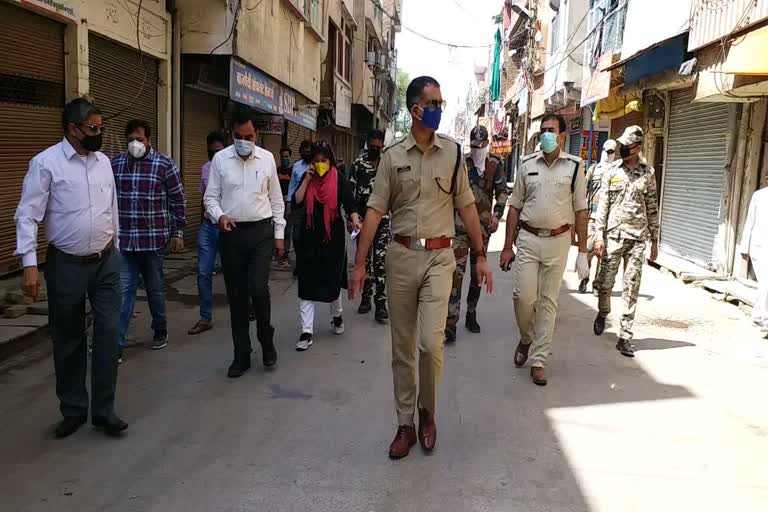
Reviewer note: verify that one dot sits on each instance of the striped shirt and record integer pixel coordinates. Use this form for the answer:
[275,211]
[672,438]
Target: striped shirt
[150,201]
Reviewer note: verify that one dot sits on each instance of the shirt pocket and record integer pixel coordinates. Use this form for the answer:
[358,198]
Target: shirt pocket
[406,187]
[261,185]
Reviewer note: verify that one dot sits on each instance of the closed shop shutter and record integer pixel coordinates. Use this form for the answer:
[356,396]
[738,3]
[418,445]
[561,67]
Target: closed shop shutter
[200,117]
[31,101]
[574,144]
[694,177]
[116,76]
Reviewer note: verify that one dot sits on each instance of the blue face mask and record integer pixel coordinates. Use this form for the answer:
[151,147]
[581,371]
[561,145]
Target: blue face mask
[548,142]
[431,118]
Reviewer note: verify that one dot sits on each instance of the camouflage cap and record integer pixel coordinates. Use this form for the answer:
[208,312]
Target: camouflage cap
[632,135]
[478,136]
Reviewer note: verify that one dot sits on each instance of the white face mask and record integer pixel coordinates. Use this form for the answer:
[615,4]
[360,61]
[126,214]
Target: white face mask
[244,147]
[478,157]
[137,149]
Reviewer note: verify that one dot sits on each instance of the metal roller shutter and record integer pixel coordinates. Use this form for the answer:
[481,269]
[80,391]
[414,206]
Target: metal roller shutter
[574,144]
[295,134]
[116,76]
[201,116]
[31,101]
[694,174]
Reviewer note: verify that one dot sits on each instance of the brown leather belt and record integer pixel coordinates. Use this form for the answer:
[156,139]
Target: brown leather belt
[424,244]
[545,233]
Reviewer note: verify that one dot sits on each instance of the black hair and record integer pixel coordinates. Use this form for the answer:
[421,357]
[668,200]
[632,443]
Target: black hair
[241,117]
[555,117]
[216,136]
[305,144]
[78,110]
[416,88]
[325,149]
[376,135]
[287,149]
[133,124]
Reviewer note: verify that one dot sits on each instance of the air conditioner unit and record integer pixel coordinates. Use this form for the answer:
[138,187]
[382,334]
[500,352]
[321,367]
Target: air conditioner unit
[371,60]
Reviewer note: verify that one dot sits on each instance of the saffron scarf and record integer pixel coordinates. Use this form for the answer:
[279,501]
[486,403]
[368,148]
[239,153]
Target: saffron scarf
[325,190]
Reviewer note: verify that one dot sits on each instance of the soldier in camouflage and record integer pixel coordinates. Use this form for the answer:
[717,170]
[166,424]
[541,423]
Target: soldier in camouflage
[627,216]
[362,175]
[594,181]
[488,181]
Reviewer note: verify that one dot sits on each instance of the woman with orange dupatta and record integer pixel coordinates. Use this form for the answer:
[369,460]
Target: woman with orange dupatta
[321,247]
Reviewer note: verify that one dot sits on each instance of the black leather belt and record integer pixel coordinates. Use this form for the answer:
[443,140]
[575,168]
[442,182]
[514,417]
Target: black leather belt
[252,224]
[87,258]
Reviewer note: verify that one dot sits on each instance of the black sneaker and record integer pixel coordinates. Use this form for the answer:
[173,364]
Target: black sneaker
[583,285]
[471,324]
[599,325]
[625,347]
[338,325]
[450,335]
[381,314]
[160,341]
[365,307]
[305,341]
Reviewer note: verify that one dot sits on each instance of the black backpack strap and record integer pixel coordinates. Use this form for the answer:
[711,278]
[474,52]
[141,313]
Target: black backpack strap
[456,168]
[573,178]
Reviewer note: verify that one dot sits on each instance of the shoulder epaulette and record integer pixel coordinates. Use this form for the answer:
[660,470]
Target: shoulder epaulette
[395,143]
[531,156]
[572,157]
[446,137]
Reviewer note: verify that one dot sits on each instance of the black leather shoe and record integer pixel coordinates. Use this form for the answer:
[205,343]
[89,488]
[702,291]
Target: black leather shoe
[583,286]
[471,323]
[599,325]
[381,314]
[69,425]
[625,347]
[239,366]
[365,307]
[450,335]
[111,425]
[268,350]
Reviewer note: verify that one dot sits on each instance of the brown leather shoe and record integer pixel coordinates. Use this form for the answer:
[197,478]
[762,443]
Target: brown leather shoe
[521,354]
[537,376]
[427,430]
[200,326]
[404,439]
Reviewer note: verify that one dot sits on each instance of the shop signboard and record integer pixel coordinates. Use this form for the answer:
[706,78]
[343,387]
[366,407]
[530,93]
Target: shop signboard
[67,9]
[501,147]
[269,124]
[251,87]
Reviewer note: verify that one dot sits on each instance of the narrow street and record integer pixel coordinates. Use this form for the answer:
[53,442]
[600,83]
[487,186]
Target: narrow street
[683,426]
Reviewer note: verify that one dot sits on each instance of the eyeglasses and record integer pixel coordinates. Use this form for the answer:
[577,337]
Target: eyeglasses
[94,127]
[435,104]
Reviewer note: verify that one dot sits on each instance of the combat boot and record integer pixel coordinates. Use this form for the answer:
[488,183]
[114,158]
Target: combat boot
[471,323]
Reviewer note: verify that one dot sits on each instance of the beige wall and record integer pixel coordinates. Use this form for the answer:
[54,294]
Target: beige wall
[362,86]
[270,37]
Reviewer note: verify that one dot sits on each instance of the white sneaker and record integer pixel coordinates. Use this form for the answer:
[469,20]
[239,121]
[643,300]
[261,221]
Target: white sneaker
[305,341]
[338,325]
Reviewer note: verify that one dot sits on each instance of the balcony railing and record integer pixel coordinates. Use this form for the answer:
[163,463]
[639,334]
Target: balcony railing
[605,29]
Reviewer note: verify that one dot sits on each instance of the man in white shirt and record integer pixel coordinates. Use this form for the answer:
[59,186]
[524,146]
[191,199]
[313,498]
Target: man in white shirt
[245,200]
[71,186]
[754,246]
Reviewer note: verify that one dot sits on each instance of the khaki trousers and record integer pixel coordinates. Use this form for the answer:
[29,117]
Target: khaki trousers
[418,289]
[539,268]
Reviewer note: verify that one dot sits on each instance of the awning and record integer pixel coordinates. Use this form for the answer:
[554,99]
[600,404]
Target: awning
[743,57]
[615,106]
[654,46]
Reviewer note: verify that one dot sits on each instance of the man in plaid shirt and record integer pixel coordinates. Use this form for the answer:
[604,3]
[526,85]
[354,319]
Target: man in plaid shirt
[150,200]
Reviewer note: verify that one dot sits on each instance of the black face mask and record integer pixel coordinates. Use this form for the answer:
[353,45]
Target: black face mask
[373,154]
[212,152]
[91,142]
[624,152]
[306,158]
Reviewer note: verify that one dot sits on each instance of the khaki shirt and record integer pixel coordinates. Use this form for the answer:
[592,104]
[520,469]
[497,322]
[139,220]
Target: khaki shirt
[543,193]
[412,185]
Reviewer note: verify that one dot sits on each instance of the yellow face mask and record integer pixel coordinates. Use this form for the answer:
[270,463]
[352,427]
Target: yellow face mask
[321,168]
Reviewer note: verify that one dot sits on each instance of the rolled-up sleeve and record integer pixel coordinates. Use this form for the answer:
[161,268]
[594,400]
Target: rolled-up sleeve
[380,199]
[31,211]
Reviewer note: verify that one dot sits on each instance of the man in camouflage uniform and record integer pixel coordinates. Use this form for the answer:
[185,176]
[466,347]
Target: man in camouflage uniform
[627,215]
[594,181]
[362,175]
[488,181]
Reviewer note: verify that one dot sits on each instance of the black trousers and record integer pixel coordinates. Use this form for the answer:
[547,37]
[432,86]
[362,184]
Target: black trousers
[246,256]
[70,280]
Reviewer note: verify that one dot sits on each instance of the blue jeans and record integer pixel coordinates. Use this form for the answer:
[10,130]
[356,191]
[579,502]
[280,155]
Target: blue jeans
[207,246]
[150,265]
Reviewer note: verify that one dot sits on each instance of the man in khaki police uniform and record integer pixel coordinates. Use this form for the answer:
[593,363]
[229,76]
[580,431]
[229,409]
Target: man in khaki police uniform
[421,179]
[548,196]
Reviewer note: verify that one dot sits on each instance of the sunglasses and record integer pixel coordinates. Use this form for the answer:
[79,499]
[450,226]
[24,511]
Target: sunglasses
[435,104]
[97,128]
